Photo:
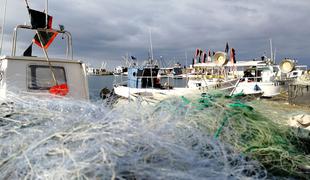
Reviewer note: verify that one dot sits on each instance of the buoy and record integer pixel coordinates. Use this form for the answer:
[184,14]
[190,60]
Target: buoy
[61,90]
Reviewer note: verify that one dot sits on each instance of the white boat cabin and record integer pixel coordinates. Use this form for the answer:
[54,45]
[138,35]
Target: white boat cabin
[42,76]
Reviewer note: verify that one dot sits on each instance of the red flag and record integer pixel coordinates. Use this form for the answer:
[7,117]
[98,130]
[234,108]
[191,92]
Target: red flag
[197,52]
[46,37]
[38,20]
[204,57]
[232,56]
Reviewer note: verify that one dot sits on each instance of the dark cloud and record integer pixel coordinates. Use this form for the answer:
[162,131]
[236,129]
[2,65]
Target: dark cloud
[107,30]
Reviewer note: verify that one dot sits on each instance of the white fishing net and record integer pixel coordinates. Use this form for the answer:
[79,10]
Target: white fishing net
[66,139]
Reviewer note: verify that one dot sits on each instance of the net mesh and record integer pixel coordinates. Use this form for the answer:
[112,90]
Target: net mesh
[62,139]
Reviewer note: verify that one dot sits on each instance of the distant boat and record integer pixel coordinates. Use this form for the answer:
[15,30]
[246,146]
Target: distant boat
[175,71]
[120,70]
[102,71]
[123,69]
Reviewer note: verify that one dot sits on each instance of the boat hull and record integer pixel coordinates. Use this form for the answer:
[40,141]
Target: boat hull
[268,89]
[127,92]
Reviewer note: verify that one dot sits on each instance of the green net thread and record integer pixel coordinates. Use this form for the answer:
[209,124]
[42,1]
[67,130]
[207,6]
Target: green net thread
[278,147]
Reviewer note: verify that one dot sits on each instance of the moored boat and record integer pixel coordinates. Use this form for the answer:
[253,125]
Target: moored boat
[42,76]
[144,82]
[254,77]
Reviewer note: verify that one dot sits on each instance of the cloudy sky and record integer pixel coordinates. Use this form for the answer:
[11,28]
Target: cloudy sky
[106,30]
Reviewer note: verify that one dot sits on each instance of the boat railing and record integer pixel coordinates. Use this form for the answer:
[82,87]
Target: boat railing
[69,49]
[235,87]
[207,76]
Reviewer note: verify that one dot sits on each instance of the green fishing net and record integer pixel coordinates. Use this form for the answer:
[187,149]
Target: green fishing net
[283,150]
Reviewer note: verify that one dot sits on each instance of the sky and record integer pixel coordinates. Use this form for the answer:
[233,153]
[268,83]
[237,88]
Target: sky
[107,30]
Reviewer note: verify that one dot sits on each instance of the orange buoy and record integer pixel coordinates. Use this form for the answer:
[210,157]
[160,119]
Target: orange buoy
[61,90]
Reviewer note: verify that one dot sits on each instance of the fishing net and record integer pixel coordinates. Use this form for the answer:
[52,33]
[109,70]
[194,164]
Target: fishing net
[67,139]
[261,134]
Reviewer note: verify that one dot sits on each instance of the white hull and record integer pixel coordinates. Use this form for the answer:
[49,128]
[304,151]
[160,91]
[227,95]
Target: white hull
[269,89]
[160,94]
[154,94]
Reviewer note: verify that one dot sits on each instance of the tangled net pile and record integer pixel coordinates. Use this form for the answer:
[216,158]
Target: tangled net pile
[67,139]
[283,150]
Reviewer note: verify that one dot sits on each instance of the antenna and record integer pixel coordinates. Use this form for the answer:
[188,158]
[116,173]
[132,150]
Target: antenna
[274,55]
[2,28]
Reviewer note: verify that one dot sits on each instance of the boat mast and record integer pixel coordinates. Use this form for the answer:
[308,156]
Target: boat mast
[152,58]
[2,27]
[274,55]
[152,55]
[186,58]
[271,51]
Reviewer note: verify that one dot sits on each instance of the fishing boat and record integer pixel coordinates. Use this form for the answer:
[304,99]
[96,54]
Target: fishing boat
[42,76]
[254,77]
[120,70]
[144,82]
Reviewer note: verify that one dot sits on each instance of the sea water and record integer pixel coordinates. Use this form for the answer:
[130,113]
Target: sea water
[97,83]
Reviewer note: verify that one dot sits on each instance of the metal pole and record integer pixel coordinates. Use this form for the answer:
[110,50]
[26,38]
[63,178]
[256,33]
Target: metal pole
[47,59]
[3,24]
[46,9]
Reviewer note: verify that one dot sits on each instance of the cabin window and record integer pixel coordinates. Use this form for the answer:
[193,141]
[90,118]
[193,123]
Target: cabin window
[40,76]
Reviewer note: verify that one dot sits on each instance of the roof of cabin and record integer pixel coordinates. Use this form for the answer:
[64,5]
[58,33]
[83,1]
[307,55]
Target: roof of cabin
[33,58]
